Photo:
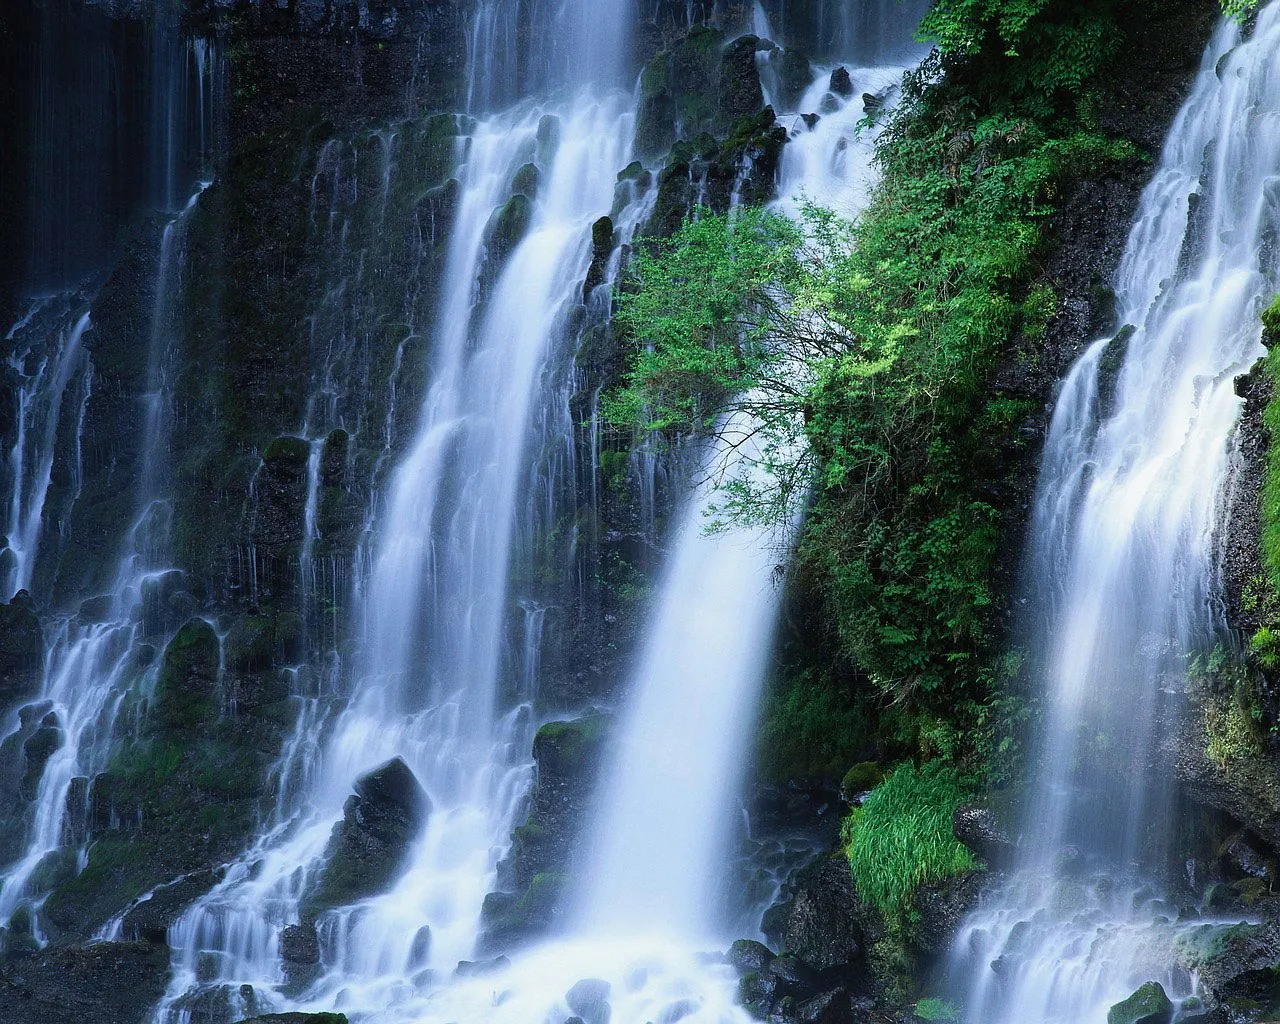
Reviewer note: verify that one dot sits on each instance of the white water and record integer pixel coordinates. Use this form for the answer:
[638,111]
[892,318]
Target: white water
[1122,556]
[92,663]
[435,603]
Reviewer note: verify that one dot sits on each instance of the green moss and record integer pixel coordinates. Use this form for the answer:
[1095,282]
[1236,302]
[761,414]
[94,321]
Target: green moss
[861,777]
[186,685]
[901,837]
[569,748]
[937,1010]
[1271,319]
[1148,1005]
[809,728]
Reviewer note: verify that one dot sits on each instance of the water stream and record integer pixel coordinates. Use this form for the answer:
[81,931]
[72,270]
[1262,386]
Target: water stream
[1122,574]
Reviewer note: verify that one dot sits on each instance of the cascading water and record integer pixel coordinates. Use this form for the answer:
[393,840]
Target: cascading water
[433,684]
[95,665]
[1121,560]
[664,822]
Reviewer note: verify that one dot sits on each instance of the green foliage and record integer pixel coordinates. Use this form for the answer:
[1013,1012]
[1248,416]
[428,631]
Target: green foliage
[809,729]
[1271,318]
[937,1010]
[1239,9]
[901,837]
[876,343]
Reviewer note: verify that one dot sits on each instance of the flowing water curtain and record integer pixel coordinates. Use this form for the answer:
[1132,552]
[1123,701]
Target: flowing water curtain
[1122,569]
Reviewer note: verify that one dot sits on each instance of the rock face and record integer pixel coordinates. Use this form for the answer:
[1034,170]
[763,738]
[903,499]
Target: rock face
[532,876]
[367,849]
[21,650]
[107,983]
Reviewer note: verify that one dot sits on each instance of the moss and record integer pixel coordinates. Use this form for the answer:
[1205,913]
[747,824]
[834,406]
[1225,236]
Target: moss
[569,748]
[186,685]
[810,728]
[288,453]
[861,777]
[1148,1005]
[1271,321]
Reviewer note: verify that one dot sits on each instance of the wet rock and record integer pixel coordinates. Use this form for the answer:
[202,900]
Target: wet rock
[297,1018]
[794,76]
[940,908]
[506,229]
[821,928]
[367,849]
[106,983]
[36,751]
[980,829]
[740,91]
[300,944]
[21,650]
[1243,855]
[96,609]
[1148,1005]
[526,180]
[186,687]
[589,999]
[150,919]
[841,84]
[746,956]
[602,242]
[479,968]
[828,1008]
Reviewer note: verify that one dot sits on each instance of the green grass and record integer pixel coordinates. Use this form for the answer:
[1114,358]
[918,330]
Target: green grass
[901,838]
[937,1010]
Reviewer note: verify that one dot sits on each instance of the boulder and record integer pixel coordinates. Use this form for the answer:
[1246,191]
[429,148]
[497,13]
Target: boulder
[981,831]
[150,919]
[297,1018]
[841,83]
[368,847]
[746,956]
[589,999]
[821,928]
[1148,1005]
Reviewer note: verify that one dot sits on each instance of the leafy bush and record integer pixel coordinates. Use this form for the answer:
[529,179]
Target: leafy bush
[901,837]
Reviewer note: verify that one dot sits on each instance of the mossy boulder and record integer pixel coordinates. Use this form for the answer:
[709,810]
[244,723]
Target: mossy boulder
[1148,1005]
[565,750]
[187,683]
[507,228]
[526,180]
[740,91]
[369,847]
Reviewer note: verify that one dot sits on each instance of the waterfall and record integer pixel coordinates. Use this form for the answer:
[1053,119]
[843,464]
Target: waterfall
[1122,576]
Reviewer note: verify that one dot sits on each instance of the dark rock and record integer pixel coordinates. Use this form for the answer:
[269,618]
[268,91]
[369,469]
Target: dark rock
[940,908]
[981,831]
[297,1018]
[367,849]
[21,650]
[740,91]
[794,77]
[841,84]
[36,751]
[821,928]
[150,919]
[828,1008]
[506,229]
[1148,1005]
[747,956]
[106,983]
[186,687]
[300,944]
[526,181]
[602,243]
[589,999]
[1244,855]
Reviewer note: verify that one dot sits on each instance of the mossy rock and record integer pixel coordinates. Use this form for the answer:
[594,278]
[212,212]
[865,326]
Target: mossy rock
[297,1018]
[508,227]
[21,650]
[1271,323]
[862,777]
[287,453]
[526,180]
[1148,1005]
[569,748]
[186,686]
[250,643]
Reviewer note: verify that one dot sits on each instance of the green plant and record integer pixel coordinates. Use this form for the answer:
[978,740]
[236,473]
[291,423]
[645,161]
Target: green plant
[901,837]
[937,1010]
